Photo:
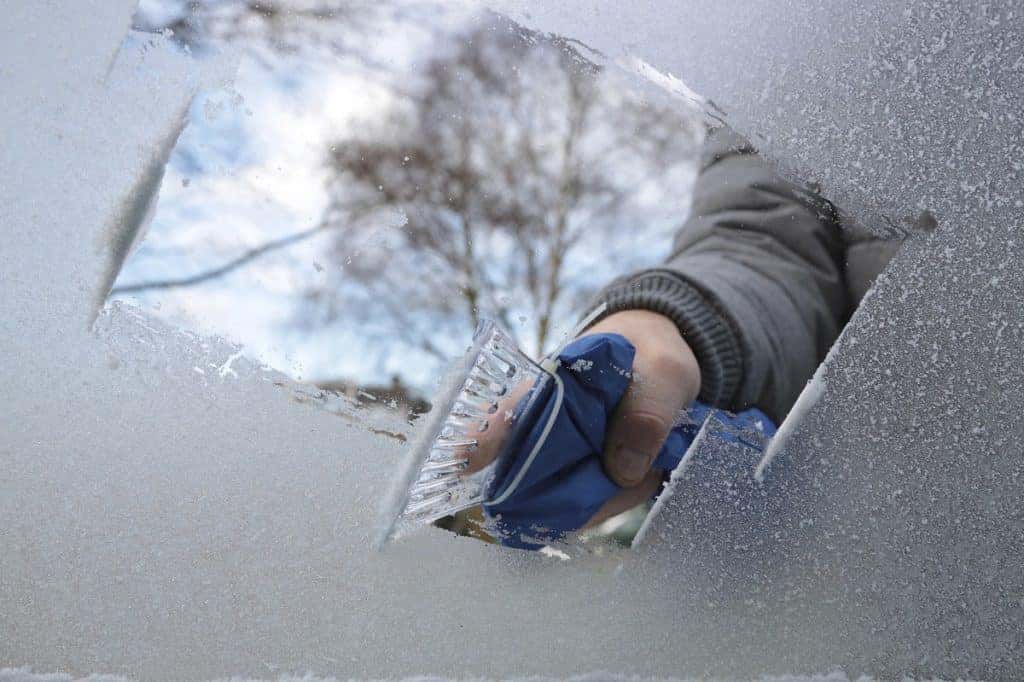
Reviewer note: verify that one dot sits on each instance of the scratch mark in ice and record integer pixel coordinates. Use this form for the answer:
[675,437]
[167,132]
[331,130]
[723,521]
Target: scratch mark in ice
[225,369]
[665,81]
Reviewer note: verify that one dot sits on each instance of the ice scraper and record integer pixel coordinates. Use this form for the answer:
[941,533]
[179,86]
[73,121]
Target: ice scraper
[524,439]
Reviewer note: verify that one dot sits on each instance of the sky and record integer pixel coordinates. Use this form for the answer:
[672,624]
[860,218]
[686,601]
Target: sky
[250,167]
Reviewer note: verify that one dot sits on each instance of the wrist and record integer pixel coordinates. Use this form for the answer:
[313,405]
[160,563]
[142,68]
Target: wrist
[659,341]
[707,330]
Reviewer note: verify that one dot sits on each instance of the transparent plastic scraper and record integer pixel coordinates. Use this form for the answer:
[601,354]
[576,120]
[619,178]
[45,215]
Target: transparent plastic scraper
[466,438]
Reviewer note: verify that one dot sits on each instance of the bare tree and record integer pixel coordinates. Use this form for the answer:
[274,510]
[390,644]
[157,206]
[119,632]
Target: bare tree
[509,157]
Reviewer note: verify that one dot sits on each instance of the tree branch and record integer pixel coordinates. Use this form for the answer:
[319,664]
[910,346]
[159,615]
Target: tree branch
[234,264]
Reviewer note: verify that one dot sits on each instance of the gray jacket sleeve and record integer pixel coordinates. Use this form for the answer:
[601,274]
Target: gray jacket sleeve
[755,281]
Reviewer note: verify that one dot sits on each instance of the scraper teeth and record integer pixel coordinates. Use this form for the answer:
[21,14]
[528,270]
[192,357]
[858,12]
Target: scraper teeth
[492,372]
[488,365]
[469,424]
[456,444]
[427,506]
[487,383]
[461,424]
[476,390]
[447,466]
[430,485]
[465,410]
[509,370]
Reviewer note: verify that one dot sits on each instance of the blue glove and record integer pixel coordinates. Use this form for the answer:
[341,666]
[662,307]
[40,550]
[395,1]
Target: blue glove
[540,499]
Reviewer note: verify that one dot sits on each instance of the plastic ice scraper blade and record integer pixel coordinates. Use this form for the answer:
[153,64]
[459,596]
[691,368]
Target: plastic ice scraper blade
[444,473]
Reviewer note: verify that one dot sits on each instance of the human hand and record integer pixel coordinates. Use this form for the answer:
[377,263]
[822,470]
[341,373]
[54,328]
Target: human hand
[666,379]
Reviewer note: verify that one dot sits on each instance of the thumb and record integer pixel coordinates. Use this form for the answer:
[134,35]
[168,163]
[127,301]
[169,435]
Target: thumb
[660,388]
[633,444]
[640,425]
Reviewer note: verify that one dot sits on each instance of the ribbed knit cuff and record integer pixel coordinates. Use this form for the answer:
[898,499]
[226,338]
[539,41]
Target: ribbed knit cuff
[707,330]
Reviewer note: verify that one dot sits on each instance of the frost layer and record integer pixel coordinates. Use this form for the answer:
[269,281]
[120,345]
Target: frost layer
[162,517]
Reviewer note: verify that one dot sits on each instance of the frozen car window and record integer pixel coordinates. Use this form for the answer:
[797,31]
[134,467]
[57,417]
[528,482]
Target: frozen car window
[172,507]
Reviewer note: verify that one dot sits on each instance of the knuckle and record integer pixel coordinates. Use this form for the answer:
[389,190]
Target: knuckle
[667,374]
[666,363]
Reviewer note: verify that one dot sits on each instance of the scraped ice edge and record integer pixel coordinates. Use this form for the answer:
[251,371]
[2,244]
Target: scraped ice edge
[812,392]
[806,401]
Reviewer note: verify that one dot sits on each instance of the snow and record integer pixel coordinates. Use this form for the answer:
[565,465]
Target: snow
[159,523]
